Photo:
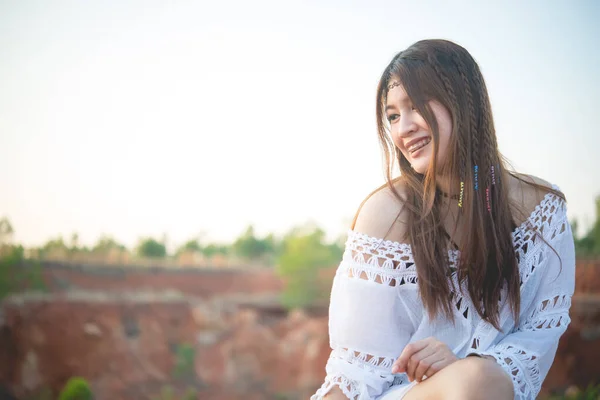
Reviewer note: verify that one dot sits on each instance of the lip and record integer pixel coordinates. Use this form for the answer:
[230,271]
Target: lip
[410,143]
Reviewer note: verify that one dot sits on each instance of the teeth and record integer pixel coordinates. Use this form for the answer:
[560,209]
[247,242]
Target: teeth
[418,145]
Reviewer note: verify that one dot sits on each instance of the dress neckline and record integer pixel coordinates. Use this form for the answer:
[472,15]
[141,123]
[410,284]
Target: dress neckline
[520,228]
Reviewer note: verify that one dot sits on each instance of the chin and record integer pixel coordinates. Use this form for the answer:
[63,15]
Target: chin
[420,166]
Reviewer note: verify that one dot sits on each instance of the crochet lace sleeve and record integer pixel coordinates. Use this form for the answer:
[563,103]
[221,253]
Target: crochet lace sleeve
[527,353]
[368,324]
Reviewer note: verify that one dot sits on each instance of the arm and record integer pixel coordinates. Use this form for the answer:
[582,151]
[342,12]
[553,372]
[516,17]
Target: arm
[365,343]
[350,377]
[527,353]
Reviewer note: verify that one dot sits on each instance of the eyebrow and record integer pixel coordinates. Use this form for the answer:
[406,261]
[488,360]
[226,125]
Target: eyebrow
[403,101]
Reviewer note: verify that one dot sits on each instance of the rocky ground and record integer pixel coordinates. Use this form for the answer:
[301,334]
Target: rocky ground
[132,334]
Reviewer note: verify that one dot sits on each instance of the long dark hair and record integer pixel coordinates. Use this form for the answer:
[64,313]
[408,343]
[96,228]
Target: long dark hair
[444,71]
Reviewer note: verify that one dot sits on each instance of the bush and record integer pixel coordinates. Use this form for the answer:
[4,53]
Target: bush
[76,389]
[592,392]
[16,273]
[184,361]
[151,248]
[304,253]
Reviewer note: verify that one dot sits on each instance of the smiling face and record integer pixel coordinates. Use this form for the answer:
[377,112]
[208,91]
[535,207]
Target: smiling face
[410,132]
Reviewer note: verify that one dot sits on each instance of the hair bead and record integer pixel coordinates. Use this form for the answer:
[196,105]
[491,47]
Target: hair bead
[476,178]
[498,168]
[493,176]
[487,198]
[460,197]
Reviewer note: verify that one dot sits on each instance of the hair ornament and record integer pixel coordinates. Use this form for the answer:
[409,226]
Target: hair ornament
[487,198]
[493,176]
[393,85]
[460,197]
[476,180]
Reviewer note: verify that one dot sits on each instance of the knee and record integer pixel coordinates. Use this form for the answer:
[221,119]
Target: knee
[335,394]
[479,378]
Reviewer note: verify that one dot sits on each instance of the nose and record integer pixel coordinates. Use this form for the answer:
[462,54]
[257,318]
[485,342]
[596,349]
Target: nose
[406,126]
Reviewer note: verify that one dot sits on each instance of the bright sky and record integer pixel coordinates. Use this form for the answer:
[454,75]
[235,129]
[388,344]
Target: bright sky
[201,117]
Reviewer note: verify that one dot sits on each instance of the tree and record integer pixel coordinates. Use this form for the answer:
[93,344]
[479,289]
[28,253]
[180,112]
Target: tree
[589,244]
[152,248]
[303,254]
[56,244]
[250,247]
[74,242]
[17,273]
[190,245]
[105,244]
[213,248]
[6,230]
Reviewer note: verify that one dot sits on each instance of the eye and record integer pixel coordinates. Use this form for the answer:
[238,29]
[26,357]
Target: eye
[393,117]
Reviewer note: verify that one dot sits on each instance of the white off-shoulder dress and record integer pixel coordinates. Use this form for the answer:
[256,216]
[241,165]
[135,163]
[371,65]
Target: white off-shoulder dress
[375,311]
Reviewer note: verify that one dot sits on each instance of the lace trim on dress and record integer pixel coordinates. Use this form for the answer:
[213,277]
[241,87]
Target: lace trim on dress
[549,314]
[348,387]
[367,362]
[382,260]
[549,219]
[515,361]
[547,222]
[386,254]
[364,360]
[523,367]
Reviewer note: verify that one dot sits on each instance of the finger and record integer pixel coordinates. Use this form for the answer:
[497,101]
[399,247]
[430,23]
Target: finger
[424,365]
[410,349]
[417,358]
[436,367]
[401,363]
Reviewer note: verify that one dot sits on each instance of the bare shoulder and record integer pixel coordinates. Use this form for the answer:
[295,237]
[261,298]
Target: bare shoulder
[525,193]
[382,215]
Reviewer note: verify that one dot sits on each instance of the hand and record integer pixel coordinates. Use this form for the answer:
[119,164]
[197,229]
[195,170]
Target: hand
[423,358]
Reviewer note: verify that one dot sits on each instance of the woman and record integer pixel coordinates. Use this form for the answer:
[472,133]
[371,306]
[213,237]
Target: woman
[457,277]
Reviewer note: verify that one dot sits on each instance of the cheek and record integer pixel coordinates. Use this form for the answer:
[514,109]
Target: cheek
[445,128]
[444,144]
[397,141]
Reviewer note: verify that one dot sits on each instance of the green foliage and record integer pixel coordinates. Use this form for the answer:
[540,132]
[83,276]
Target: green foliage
[74,247]
[304,253]
[592,392]
[589,244]
[105,244]
[54,244]
[190,245]
[6,229]
[149,247]
[250,247]
[76,389]
[17,273]
[212,249]
[184,360]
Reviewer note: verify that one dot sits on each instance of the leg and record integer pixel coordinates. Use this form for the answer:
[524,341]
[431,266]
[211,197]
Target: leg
[336,394]
[471,378]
